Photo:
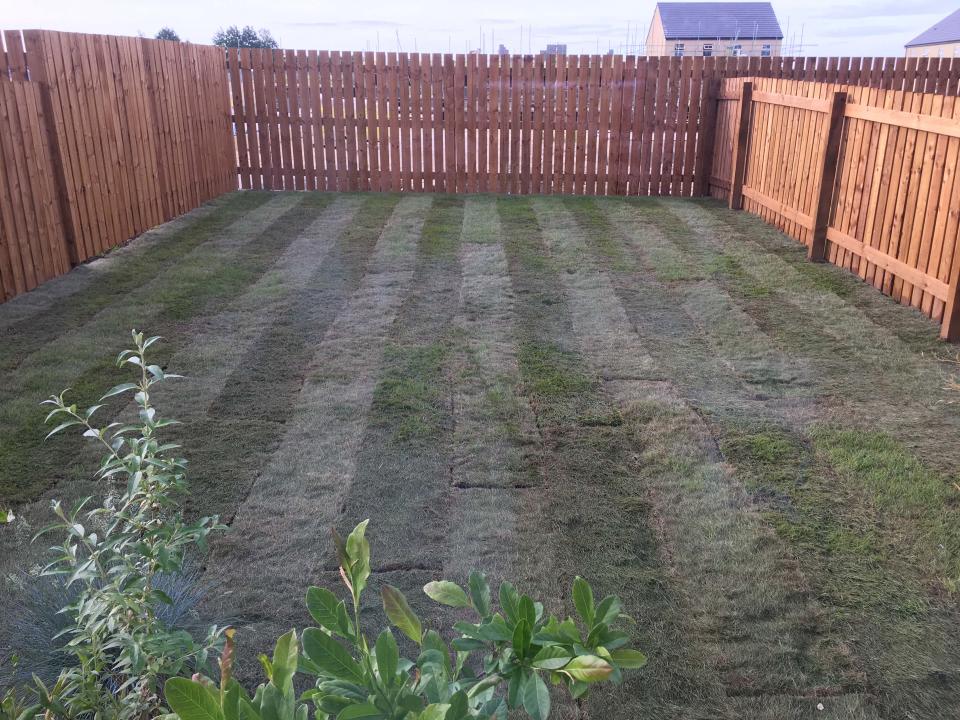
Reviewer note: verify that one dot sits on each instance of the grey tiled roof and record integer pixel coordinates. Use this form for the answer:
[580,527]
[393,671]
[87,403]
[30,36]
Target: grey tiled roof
[947,30]
[719,20]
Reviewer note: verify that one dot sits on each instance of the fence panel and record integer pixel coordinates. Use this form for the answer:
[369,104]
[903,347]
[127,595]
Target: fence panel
[32,243]
[894,201]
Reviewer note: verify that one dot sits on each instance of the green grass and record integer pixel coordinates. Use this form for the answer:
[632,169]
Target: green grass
[755,452]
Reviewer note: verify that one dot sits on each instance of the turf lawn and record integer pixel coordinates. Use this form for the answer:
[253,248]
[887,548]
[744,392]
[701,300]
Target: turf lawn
[757,453]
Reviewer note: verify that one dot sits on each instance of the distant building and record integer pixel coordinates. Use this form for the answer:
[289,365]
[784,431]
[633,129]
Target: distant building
[502,50]
[558,49]
[941,40]
[714,28]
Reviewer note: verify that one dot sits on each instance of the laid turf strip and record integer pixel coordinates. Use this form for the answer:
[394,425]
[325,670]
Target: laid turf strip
[135,268]
[28,465]
[403,468]
[268,378]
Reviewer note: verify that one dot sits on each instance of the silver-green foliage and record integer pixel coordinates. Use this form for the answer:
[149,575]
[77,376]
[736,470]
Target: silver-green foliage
[116,553]
[502,661]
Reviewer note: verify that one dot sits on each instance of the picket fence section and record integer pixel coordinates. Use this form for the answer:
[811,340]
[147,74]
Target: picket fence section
[136,132]
[588,124]
[865,177]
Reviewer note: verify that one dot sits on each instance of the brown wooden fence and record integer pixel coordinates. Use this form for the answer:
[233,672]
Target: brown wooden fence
[33,247]
[136,132]
[865,177]
[520,124]
[103,137]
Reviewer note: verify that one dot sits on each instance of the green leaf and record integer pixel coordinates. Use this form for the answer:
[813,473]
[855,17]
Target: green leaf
[607,610]
[358,550]
[365,711]
[522,634]
[583,600]
[446,593]
[388,656]
[509,600]
[536,697]
[629,659]
[328,611]
[121,388]
[552,657]
[330,656]
[588,669]
[561,633]
[480,593]
[434,711]
[191,700]
[459,709]
[285,661]
[400,614]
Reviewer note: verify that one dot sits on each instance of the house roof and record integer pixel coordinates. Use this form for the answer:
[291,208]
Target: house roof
[947,30]
[726,20]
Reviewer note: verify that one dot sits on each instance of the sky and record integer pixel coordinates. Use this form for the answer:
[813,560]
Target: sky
[811,27]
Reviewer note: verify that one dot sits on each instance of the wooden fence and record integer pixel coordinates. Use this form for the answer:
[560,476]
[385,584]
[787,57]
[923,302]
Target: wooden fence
[865,177]
[33,247]
[519,124]
[135,132]
[103,137]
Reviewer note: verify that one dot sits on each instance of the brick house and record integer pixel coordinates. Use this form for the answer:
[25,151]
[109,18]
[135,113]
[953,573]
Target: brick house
[714,28]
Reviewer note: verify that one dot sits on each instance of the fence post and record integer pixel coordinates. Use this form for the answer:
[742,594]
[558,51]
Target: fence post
[950,327]
[740,148]
[826,175]
[708,128]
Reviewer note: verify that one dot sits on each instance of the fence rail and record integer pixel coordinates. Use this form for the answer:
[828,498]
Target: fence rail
[865,177]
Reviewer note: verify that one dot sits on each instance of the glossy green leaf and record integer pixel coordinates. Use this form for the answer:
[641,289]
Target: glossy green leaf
[364,711]
[446,593]
[588,669]
[328,611]
[509,600]
[434,711]
[398,610]
[536,697]
[583,600]
[607,611]
[552,657]
[285,660]
[388,656]
[522,635]
[480,593]
[330,656]
[629,659]
[191,700]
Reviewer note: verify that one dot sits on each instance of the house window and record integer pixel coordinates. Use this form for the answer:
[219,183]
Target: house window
[708,50]
[678,50]
[736,50]
[765,51]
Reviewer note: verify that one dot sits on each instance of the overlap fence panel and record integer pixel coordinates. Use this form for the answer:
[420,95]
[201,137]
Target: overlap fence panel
[864,176]
[32,244]
[133,132]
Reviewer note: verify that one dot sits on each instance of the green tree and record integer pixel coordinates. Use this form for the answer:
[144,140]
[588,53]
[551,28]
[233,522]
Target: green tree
[234,37]
[167,33]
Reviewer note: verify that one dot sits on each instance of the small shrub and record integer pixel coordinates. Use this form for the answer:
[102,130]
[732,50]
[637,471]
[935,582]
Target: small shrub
[520,648]
[118,562]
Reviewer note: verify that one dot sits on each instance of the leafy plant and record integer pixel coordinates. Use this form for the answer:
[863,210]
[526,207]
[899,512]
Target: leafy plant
[118,555]
[502,661]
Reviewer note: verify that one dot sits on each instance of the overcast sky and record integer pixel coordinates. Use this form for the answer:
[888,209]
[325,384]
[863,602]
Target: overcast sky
[847,27]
